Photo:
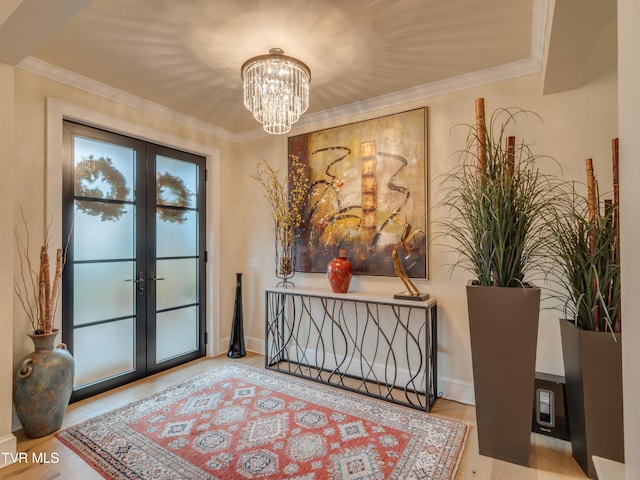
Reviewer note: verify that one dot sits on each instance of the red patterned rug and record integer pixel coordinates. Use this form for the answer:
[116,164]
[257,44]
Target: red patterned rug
[239,422]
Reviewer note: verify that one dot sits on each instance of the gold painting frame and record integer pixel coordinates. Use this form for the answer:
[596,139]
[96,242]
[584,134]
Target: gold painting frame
[367,184]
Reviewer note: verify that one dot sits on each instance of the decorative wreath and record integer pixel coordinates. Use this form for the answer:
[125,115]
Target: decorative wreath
[180,198]
[90,170]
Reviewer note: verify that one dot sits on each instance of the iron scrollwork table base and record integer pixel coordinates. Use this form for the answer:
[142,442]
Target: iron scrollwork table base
[381,347]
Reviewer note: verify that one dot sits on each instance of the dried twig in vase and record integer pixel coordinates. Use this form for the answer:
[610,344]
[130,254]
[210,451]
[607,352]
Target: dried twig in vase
[36,292]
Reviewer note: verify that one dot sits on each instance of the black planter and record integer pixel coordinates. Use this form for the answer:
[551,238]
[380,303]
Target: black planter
[593,375]
[503,324]
[236,342]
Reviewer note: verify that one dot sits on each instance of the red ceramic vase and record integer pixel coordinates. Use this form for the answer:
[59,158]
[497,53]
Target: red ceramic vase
[339,271]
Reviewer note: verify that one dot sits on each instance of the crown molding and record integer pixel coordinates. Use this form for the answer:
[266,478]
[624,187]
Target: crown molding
[540,26]
[421,92]
[58,74]
[449,85]
[532,64]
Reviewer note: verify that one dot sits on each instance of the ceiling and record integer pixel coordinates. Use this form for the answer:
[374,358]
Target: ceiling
[186,55]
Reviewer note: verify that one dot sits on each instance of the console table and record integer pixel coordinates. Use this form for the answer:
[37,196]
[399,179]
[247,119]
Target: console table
[378,346]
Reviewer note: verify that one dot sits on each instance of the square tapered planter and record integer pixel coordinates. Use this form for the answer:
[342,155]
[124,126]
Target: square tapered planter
[503,324]
[593,374]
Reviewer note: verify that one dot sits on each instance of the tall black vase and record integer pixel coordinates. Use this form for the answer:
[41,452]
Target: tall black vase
[236,343]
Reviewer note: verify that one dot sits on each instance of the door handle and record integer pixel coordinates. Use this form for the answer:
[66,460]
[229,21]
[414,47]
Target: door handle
[153,278]
[139,281]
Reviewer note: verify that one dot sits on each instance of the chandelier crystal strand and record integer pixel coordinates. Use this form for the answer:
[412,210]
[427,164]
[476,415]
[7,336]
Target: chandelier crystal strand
[276,90]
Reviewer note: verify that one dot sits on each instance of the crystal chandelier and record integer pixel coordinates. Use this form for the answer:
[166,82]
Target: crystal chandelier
[276,90]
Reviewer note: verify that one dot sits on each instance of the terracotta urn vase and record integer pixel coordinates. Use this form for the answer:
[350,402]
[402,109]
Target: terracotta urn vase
[42,385]
[339,271]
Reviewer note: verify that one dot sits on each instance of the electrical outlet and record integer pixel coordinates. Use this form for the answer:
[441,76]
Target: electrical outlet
[254,263]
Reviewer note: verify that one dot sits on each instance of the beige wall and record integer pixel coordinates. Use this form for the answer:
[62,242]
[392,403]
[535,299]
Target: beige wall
[7,440]
[629,107]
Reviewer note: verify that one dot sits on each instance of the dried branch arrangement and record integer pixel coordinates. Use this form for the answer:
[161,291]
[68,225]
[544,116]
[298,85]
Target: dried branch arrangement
[496,203]
[287,197]
[588,248]
[37,292]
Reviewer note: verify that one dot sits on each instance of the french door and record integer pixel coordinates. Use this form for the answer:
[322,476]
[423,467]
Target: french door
[133,286]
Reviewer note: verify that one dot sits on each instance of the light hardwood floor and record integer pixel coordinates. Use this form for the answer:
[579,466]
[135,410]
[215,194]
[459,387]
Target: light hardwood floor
[550,458]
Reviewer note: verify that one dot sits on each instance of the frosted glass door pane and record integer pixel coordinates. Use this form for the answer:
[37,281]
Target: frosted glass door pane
[100,291]
[179,286]
[177,182]
[177,333]
[176,239]
[176,236]
[132,295]
[103,170]
[95,239]
[103,351]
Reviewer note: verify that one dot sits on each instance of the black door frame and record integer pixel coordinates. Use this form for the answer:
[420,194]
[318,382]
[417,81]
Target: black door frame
[145,254]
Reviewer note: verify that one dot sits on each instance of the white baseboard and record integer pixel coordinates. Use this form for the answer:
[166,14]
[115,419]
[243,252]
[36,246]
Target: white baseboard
[8,445]
[223,346]
[393,373]
[449,388]
[15,421]
[608,469]
[456,390]
[251,344]
[255,345]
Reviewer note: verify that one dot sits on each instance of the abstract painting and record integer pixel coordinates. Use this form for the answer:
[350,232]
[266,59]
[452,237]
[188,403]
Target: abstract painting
[367,185]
